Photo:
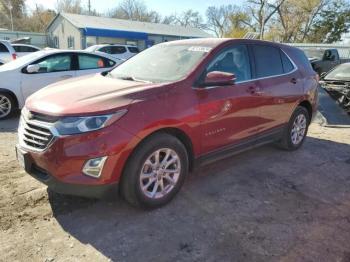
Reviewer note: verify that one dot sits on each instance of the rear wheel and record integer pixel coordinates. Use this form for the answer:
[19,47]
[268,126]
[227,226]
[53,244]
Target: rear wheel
[296,130]
[155,172]
[6,105]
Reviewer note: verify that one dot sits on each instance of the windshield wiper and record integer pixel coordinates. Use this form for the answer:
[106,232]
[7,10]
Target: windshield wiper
[131,78]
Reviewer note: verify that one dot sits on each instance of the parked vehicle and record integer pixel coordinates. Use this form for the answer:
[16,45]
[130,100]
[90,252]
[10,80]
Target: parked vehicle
[158,115]
[324,61]
[337,83]
[29,73]
[23,49]
[119,51]
[7,52]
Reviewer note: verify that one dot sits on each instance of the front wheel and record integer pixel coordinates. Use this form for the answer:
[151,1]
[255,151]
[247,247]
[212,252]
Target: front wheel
[6,105]
[155,172]
[296,130]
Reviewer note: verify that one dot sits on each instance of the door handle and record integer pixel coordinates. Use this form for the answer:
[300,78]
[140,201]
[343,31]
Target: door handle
[293,80]
[253,90]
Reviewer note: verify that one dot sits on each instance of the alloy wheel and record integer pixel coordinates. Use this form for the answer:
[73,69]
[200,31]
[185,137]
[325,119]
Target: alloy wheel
[298,129]
[5,106]
[160,173]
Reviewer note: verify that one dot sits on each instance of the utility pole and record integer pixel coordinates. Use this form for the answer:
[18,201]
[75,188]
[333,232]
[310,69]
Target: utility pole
[89,6]
[10,8]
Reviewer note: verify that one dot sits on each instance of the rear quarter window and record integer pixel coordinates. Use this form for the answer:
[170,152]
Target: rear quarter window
[287,64]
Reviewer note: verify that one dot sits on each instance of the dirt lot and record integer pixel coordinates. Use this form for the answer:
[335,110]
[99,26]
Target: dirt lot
[262,205]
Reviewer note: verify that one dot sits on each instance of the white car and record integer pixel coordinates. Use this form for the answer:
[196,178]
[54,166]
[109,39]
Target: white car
[26,75]
[7,52]
[119,51]
[23,49]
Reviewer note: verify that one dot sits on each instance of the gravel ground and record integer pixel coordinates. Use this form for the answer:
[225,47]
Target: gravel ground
[262,205]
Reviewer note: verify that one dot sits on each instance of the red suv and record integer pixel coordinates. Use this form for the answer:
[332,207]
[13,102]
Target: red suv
[151,120]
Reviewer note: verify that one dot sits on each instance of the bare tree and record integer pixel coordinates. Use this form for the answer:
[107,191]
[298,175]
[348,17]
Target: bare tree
[69,6]
[135,10]
[186,18]
[218,19]
[262,11]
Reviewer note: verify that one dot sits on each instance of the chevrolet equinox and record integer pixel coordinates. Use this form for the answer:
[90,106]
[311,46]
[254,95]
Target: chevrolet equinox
[143,126]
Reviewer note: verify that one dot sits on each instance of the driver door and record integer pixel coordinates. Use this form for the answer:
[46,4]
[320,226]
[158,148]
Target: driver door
[229,113]
[53,68]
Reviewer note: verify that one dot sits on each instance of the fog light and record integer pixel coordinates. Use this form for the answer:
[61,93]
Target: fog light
[93,167]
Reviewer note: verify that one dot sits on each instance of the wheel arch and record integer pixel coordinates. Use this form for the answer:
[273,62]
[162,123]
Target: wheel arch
[307,105]
[13,96]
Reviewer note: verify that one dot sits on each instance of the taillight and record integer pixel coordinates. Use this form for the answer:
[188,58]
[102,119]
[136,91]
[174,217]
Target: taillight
[14,56]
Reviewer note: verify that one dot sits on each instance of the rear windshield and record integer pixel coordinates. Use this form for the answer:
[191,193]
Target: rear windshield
[341,72]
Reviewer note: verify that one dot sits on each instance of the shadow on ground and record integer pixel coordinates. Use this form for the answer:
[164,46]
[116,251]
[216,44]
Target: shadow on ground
[262,205]
[10,124]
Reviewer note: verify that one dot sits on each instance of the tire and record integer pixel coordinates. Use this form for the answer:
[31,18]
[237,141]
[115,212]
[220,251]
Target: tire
[7,105]
[295,126]
[141,170]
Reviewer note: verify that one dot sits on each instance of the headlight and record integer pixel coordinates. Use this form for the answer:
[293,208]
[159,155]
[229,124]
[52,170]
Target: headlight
[76,125]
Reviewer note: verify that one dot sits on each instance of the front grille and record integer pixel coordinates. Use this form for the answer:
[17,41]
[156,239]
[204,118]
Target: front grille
[34,134]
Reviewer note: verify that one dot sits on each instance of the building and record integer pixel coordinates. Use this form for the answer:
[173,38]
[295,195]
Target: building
[37,39]
[72,31]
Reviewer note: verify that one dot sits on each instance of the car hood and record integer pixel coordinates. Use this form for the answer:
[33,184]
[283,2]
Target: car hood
[88,95]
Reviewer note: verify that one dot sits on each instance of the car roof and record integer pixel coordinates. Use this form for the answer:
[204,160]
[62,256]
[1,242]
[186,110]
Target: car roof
[215,42]
[15,44]
[59,51]
[102,45]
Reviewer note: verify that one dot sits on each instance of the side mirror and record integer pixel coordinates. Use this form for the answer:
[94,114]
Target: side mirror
[218,78]
[33,68]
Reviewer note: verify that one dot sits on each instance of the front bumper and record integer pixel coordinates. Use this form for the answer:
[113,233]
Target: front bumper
[54,184]
[60,165]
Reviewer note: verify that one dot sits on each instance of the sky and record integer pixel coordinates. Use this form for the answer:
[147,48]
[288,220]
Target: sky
[164,7]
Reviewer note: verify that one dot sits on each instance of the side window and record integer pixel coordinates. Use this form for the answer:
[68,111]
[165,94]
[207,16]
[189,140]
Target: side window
[3,48]
[106,49]
[93,62]
[287,64]
[55,63]
[234,60]
[31,49]
[70,42]
[116,50]
[267,61]
[18,49]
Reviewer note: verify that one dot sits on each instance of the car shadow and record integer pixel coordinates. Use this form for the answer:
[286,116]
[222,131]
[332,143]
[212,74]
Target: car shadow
[249,207]
[10,124]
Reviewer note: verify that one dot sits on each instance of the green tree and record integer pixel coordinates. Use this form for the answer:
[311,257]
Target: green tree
[333,22]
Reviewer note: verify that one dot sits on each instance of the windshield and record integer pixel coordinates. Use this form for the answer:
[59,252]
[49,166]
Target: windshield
[161,63]
[21,61]
[342,72]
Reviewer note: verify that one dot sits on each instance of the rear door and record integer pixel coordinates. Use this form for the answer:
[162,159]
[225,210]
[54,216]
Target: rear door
[92,64]
[229,113]
[53,68]
[280,85]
